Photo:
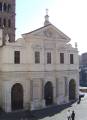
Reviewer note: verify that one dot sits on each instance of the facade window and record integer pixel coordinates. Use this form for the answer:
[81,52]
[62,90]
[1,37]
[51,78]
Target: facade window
[5,7]
[0,6]
[37,57]
[17,57]
[49,58]
[4,22]
[9,23]
[62,58]
[9,7]
[71,59]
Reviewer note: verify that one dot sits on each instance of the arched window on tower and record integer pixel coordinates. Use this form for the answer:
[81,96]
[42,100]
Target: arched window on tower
[5,7]
[9,23]
[0,22]
[9,7]
[4,22]
[0,6]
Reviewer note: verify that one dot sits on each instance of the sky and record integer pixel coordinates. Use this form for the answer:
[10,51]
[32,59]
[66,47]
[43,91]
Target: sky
[69,16]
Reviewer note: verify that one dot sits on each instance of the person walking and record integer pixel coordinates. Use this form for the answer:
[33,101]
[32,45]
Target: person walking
[73,115]
[79,100]
[69,115]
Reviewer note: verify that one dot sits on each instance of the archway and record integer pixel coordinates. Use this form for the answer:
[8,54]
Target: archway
[17,97]
[48,93]
[72,90]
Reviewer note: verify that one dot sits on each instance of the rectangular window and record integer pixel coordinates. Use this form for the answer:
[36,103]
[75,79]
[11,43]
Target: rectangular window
[17,57]
[49,58]
[71,59]
[62,58]
[37,57]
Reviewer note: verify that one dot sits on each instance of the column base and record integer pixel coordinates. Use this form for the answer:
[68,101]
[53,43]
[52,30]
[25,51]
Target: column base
[37,104]
[62,100]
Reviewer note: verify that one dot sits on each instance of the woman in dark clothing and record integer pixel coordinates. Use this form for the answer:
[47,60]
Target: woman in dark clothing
[73,115]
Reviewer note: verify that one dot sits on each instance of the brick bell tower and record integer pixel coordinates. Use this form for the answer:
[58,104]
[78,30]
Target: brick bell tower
[7,20]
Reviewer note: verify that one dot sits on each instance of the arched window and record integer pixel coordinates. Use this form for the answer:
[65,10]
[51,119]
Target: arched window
[9,7]
[5,7]
[9,23]
[0,22]
[4,22]
[0,6]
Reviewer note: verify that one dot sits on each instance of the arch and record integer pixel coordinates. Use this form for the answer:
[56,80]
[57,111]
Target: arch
[4,22]
[9,7]
[72,90]
[5,7]
[17,97]
[0,6]
[48,93]
[0,21]
[9,23]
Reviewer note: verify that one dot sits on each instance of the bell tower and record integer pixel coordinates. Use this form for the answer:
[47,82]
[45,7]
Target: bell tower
[7,20]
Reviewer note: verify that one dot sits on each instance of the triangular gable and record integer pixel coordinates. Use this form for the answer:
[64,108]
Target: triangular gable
[49,31]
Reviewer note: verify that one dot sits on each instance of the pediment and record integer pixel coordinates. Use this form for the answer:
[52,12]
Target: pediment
[66,47]
[49,31]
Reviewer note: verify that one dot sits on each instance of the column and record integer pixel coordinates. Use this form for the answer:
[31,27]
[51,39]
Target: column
[31,95]
[57,91]
[66,89]
[56,87]
[42,86]
[31,90]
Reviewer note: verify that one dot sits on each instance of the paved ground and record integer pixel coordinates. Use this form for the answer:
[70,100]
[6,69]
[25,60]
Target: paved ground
[80,110]
[51,113]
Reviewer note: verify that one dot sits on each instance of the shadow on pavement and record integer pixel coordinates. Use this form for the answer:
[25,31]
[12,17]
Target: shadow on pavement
[50,111]
[35,114]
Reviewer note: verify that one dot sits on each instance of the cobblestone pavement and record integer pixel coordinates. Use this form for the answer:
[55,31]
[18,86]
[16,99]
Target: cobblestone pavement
[51,113]
[80,112]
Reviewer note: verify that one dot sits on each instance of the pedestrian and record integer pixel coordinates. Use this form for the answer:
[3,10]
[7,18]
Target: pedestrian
[69,115]
[79,100]
[73,115]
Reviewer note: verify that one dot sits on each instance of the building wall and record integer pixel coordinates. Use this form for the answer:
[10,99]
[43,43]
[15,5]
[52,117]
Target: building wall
[83,70]
[33,87]
[33,77]
[27,58]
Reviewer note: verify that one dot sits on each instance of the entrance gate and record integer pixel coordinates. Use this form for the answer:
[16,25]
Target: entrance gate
[17,97]
[72,90]
[48,93]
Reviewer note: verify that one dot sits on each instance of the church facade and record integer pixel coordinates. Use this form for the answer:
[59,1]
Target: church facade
[38,70]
